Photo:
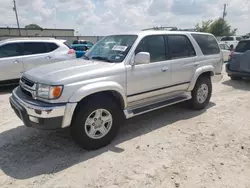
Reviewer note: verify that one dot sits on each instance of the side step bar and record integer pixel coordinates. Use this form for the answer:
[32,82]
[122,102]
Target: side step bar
[129,113]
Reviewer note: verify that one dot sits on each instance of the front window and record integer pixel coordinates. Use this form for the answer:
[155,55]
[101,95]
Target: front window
[112,48]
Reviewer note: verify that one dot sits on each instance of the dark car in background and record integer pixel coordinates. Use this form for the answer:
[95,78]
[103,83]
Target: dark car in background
[81,46]
[239,62]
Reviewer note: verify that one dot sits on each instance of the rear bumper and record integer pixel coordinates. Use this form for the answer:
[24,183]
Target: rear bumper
[235,73]
[217,78]
[39,114]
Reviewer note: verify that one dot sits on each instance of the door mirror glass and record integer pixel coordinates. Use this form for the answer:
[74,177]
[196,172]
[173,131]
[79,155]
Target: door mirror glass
[142,58]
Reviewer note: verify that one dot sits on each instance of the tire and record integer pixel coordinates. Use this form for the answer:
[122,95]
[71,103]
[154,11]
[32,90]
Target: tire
[203,83]
[80,130]
[235,77]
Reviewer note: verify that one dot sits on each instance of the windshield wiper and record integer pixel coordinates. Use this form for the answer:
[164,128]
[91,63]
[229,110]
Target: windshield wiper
[85,57]
[101,58]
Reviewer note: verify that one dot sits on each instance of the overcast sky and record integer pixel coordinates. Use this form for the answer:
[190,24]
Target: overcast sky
[102,17]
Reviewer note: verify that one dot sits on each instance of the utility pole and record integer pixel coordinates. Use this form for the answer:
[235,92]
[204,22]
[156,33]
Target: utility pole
[15,9]
[224,11]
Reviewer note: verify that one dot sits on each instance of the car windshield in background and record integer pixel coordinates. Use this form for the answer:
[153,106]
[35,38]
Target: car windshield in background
[227,39]
[112,48]
[243,46]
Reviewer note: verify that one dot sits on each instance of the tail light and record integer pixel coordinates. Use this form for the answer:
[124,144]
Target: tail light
[231,54]
[71,51]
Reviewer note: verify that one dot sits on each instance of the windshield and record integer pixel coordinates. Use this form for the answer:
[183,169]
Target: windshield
[112,48]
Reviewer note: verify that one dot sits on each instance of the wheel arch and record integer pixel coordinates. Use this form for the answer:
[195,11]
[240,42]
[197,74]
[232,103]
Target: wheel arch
[202,71]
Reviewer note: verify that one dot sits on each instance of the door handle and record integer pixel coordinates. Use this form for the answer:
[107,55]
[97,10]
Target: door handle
[48,57]
[164,69]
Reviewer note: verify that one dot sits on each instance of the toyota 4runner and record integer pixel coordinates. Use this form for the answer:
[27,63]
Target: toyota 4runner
[121,76]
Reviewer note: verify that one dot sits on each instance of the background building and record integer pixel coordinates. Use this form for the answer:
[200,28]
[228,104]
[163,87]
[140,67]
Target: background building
[13,32]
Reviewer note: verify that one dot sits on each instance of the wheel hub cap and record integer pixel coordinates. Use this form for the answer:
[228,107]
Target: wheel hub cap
[202,93]
[98,123]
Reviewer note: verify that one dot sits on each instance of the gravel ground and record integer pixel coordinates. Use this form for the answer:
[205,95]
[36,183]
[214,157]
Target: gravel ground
[172,147]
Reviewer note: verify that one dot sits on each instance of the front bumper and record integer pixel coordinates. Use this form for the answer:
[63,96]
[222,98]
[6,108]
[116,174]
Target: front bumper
[39,114]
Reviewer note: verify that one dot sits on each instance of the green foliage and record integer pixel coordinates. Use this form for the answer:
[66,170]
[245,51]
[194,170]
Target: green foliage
[32,26]
[217,27]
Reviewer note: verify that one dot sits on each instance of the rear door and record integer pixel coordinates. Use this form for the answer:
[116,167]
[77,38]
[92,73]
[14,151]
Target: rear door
[35,54]
[11,66]
[183,60]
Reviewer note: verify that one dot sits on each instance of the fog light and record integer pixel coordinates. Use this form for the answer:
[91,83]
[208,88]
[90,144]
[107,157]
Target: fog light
[34,119]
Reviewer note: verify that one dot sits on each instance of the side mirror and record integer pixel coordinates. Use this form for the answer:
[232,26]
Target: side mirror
[142,58]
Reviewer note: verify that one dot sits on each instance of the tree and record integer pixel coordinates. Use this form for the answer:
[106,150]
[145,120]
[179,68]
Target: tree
[32,26]
[217,27]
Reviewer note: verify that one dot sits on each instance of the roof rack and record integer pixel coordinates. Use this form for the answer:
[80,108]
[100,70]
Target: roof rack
[169,29]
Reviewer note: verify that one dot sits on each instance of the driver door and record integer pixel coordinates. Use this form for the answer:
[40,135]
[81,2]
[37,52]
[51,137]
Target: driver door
[147,80]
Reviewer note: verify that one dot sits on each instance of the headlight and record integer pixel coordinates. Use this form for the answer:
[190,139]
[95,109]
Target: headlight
[49,92]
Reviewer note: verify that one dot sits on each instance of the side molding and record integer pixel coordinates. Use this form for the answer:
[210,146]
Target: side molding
[98,87]
[198,72]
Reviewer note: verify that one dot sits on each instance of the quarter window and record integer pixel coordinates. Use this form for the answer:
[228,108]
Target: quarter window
[155,46]
[207,43]
[10,50]
[52,46]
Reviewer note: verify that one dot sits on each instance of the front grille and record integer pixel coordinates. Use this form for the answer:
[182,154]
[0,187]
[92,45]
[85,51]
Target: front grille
[26,92]
[27,82]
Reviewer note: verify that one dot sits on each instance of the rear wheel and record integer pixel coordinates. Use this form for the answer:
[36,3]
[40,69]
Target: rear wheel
[96,123]
[236,77]
[201,93]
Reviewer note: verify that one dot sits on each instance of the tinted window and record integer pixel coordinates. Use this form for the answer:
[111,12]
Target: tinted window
[52,46]
[80,48]
[155,45]
[227,39]
[10,50]
[180,46]
[243,46]
[239,38]
[207,43]
[30,48]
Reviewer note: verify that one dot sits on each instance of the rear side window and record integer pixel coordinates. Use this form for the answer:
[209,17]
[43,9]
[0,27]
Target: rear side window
[52,46]
[180,46]
[227,39]
[207,43]
[155,45]
[243,46]
[10,50]
[31,48]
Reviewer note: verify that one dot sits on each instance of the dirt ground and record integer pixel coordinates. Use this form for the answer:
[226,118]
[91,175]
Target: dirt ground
[172,147]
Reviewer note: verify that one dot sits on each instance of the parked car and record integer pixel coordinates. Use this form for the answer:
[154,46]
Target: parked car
[231,40]
[81,49]
[139,73]
[239,63]
[18,55]
[83,42]
[226,51]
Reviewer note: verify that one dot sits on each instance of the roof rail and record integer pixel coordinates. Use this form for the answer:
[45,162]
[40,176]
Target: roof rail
[169,29]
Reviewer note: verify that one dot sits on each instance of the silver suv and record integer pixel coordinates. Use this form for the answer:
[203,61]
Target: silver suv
[121,76]
[20,54]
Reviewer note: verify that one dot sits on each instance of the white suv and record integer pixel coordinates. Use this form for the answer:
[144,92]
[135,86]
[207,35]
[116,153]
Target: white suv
[121,76]
[20,54]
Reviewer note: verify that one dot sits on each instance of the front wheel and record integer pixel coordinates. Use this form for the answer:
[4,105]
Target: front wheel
[96,123]
[201,93]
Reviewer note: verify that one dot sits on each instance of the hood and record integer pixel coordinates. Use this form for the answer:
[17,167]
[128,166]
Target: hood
[67,71]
